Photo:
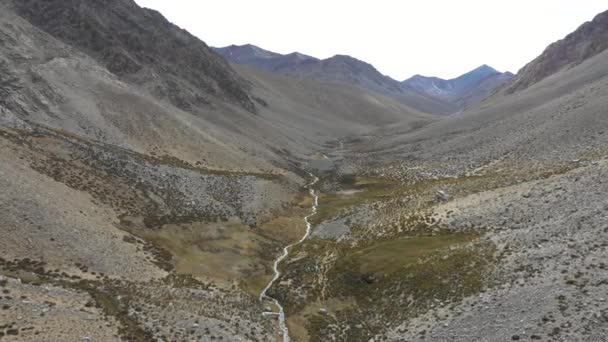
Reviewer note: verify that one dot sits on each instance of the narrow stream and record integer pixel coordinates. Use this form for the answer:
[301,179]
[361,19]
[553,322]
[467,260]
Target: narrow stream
[277,273]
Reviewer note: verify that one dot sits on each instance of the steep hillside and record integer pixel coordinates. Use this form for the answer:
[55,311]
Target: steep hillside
[140,46]
[555,119]
[587,41]
[465,90]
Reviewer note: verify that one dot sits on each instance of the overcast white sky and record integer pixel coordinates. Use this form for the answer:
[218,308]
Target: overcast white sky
[442,38]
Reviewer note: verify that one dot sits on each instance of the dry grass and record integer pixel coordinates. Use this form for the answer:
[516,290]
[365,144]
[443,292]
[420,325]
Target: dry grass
[390,256]
[365,189]
[225,251]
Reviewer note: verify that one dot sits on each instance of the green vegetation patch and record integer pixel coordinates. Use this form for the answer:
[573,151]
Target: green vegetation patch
[224,251]
[421,260]
[393,281]
[356,190]
[390,256]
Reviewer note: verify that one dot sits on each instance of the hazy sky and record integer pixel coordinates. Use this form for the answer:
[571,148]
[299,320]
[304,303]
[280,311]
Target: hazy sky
[442,38]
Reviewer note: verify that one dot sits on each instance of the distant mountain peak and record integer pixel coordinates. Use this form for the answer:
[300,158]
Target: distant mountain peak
[465,89]
[348,60]
[245,51]
[422,77]
[300,56]
[485,68]
[341,56]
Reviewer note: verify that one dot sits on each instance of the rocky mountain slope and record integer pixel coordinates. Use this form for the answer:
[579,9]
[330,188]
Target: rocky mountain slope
[141,46]
[587,41]
[465,90]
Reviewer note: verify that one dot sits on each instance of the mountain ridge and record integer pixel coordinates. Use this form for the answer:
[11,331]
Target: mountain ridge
[350,70]
[588,40]
[123,36]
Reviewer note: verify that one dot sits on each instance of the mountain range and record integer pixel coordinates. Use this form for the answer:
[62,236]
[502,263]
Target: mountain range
[427,94]
[149,186]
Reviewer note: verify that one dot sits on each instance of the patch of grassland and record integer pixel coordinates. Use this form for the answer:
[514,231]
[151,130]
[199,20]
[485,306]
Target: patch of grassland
[367,189]
[297,323]
[224,251]
[437,274]
[285,229]
[359,269]
[390,256]
[290,226]
[386,282]
[255,284]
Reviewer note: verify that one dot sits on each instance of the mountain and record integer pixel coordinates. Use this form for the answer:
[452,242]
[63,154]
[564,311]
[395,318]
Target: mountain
[587,41]
[465,90]
[143,175]
[259,58]
[337,69]
[147,196]
[141,46]
[427,94]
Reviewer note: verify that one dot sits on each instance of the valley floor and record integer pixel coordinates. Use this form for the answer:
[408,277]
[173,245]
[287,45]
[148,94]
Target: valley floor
[505,253]
[508,250]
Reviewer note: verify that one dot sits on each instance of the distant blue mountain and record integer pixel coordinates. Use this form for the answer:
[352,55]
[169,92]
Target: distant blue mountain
[426,94]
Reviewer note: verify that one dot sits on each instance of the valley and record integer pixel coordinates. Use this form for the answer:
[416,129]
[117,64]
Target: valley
[153,188]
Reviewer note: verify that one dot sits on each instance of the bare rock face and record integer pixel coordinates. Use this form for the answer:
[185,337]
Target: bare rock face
[142,47]
[588,40]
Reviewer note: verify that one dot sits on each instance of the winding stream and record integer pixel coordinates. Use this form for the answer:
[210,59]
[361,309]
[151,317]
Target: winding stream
[277,273]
